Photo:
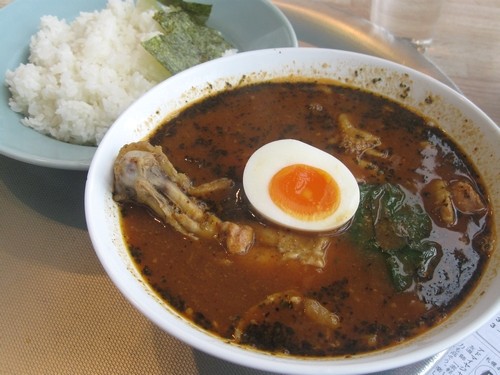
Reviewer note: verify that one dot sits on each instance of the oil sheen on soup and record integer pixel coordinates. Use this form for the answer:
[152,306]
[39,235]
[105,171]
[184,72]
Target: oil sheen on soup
[413,251]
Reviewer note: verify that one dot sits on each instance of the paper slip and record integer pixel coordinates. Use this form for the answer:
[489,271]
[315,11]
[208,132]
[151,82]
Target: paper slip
[479,354]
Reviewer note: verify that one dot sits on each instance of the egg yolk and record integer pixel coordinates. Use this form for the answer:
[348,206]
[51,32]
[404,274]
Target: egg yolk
[305,192]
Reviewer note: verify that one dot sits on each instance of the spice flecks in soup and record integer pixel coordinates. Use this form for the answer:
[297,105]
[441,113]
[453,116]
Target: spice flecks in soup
[411,254]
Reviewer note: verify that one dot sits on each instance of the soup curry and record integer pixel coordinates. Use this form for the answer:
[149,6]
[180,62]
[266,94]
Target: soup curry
[414,250]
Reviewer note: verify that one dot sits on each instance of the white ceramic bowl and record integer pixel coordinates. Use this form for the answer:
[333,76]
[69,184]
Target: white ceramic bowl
[248,25]
[479,136]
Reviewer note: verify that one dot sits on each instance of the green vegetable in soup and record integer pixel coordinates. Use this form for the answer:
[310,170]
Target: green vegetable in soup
[389,222]
[185,40]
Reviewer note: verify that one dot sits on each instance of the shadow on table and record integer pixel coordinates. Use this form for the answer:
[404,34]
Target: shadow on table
[54,193]
[42,217]
[208,365]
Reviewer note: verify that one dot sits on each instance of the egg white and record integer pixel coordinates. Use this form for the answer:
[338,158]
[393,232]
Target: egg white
[274,156]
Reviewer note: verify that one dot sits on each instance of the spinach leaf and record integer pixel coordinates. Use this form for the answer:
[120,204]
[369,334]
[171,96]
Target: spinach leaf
[388,222]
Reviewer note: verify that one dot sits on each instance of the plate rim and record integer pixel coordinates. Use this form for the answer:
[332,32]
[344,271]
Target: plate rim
[25,144]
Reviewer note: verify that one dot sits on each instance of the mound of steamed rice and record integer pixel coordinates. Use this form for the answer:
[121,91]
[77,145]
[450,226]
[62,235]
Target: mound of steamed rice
[82,75]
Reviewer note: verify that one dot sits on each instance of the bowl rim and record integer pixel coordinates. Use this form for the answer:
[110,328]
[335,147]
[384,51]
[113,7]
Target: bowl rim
[99,179]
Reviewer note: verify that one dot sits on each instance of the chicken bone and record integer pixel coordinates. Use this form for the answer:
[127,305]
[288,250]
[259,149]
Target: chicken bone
[144,174]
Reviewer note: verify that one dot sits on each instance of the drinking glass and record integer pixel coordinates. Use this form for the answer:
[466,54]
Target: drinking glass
[414,20]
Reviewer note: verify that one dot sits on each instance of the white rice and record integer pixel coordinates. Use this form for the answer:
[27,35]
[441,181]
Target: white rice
[81,76]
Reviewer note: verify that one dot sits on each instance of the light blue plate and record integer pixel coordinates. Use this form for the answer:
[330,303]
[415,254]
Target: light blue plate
[249,25]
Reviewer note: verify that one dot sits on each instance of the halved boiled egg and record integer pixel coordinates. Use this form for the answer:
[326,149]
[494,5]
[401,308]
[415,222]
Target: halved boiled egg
[300,186]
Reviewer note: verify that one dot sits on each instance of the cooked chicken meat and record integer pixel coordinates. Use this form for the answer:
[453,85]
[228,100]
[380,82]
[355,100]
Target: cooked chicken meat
[358,142]
[447,198]
[275,322]
[466,198]
[440,198]
[144,174]
[307,249]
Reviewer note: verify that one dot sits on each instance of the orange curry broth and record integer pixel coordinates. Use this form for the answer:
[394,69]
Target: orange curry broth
[215,137]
